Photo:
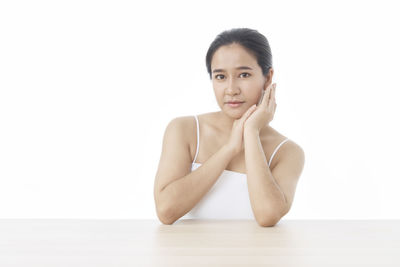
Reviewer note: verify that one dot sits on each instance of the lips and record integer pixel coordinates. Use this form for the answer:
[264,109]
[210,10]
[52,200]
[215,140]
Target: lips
[234,102]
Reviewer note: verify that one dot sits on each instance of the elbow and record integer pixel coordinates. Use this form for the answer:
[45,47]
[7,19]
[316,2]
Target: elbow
[164,210]
[165,216]
[268,221]
[166,221]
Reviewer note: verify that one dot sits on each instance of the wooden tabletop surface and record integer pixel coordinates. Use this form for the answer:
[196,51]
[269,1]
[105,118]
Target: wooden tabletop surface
[81,242]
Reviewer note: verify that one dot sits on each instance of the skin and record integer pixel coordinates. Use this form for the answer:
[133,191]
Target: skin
[238,137]
[244,85]
[236,84]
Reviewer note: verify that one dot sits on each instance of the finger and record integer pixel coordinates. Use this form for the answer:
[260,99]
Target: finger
[273,87]
[271,102]
[273,91]
[252,109]
[269,93]
[266,96]
[248,112]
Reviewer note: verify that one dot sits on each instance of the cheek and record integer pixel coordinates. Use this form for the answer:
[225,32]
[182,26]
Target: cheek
[256,95]
[254,98]
[219,95]
[218,92]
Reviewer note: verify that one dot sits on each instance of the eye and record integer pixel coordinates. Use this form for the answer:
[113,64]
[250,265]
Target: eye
[216,76]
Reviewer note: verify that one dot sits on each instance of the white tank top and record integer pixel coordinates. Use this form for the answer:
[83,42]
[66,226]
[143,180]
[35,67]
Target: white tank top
[228,198]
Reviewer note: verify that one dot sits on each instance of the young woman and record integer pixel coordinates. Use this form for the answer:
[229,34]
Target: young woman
[230,164]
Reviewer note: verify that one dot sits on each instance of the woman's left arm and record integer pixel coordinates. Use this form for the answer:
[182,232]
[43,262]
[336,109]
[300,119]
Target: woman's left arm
[267,199]
[271,191]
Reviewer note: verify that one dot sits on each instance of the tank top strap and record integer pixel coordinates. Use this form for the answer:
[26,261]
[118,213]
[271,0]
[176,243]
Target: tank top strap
[198,138]
[276,149]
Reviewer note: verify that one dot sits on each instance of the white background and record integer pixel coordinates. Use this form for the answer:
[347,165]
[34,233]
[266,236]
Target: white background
[88,87]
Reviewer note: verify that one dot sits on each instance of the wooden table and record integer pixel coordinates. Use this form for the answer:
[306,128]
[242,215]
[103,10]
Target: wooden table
[75,242]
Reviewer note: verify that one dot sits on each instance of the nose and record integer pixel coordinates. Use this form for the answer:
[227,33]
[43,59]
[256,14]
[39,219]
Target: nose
[232,87]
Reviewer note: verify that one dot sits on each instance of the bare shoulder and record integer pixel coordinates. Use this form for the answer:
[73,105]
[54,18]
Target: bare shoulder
[294,148]
[175,156]
[291,152]
[185,127]
[289,149]
[189,129]
[185,124]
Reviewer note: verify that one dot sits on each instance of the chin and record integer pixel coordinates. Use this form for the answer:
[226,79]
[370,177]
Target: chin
[236,114]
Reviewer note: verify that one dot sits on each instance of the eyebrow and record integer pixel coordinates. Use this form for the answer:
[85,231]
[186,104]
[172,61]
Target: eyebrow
[238,68]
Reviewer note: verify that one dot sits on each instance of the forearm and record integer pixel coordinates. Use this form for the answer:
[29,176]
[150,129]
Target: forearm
[180,196]
[267,199]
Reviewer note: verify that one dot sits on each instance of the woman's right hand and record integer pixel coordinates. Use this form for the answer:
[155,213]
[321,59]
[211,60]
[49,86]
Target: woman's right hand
[235,142]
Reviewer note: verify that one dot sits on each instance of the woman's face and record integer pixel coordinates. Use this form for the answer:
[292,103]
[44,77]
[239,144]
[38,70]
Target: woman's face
[236,76]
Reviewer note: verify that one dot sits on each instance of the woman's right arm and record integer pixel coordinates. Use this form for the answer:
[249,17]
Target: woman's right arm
[176,189]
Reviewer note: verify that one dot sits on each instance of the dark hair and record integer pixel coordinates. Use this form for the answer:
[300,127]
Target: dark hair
[253,41]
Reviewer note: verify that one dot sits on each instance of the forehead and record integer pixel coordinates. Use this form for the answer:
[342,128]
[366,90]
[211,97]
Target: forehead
[231,56]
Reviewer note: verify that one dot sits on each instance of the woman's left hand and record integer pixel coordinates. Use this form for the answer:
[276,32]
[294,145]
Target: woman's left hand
[264,112]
